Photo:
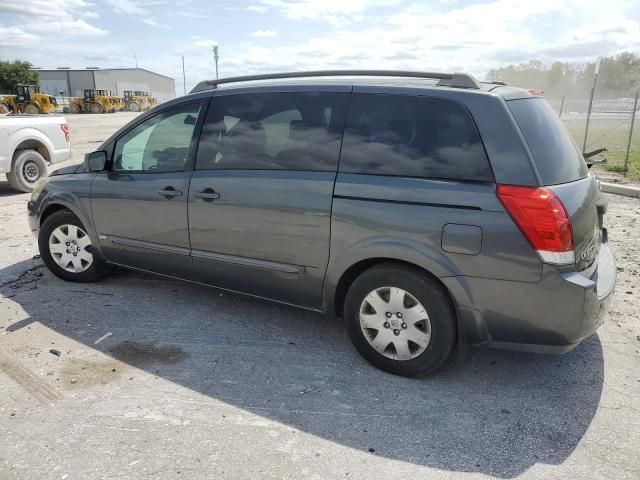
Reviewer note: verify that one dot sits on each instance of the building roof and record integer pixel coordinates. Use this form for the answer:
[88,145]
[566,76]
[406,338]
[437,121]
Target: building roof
[99,70]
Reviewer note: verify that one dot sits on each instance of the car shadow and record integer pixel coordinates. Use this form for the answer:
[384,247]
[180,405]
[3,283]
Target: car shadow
[497,412]
[5,188]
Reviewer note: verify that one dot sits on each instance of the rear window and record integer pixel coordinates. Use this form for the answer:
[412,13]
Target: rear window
[412,136]
[556,154]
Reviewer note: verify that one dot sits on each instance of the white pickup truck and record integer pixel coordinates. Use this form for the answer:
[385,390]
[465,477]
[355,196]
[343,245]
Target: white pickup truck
[28,143]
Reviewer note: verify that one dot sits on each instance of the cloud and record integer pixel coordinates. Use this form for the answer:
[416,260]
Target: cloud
[337,12]
[49,17]
[202,42]
[16,37]
[46,8]
[151,21]
[133,7]
[264,33]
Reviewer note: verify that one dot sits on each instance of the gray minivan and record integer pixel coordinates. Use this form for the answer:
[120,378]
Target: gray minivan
[430,211]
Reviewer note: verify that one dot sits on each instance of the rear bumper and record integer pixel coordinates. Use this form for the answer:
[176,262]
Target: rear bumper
[549,316]
[61,155]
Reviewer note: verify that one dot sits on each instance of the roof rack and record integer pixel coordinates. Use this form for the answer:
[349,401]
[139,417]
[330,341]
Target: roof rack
[459,80]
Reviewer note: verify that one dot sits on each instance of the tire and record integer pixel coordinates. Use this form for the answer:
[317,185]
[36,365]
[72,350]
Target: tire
[74,108]
[28,167]
[96,108]
[4,108]
[432,327]
[31,109]
[134,107]
[82,267]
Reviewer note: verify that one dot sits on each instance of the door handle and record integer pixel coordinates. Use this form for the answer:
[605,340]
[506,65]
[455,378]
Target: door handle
[208,195]
[169,192]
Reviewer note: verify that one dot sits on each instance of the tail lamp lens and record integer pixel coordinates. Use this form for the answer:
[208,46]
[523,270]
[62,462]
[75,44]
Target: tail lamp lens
[65,129]
[543,220]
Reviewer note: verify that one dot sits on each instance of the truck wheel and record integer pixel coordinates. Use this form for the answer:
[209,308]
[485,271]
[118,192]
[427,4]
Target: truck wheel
[96,108]
[4,108]
[400,319]
[74,108]
[28,167]
[31,109]
[66,249]
[134,107]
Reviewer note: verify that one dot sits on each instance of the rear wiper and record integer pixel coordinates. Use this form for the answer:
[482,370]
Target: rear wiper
[588,155]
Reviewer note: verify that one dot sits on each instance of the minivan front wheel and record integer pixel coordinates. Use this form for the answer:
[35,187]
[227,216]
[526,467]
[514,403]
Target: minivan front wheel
[66,248]
[400,319]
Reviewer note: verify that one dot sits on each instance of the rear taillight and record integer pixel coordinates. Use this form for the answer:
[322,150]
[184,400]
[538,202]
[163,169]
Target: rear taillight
[543,220]
[65,129]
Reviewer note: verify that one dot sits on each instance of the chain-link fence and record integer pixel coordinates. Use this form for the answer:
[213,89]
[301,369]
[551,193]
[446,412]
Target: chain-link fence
[613,124]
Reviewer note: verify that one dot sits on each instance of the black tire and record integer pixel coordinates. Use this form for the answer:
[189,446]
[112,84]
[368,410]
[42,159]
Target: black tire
[74,108]
[96,270]
[27,168]
[429,292]
[32,109]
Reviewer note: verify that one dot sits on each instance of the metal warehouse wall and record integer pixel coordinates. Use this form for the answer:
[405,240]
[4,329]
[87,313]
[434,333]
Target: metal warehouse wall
[70,82]
[161,87]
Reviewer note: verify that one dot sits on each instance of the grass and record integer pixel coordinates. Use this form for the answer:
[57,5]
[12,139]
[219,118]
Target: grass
[611,132]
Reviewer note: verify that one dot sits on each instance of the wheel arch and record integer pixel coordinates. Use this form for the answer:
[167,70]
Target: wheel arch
[31,139]
[355,270]
[341,274]
[65,201]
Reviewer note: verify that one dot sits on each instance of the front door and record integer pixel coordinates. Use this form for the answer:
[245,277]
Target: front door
[140,204]
[260,197]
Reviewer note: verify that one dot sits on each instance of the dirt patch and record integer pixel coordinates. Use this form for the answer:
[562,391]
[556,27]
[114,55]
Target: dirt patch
[78,373]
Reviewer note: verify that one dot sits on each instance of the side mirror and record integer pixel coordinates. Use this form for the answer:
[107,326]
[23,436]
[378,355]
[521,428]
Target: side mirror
[95,161]
[189,120]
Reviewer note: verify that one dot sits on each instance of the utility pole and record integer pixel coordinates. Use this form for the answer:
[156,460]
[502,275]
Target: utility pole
[184,77]
[135,55]
[215,58]
[593,89]
[633,119]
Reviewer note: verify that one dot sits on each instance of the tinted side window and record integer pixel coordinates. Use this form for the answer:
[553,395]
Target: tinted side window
[273,131]
[556,154]
[159,144]
[412,137]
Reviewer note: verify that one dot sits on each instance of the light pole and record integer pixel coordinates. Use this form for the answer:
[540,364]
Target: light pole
[215,58]
[184,77]
[593,91]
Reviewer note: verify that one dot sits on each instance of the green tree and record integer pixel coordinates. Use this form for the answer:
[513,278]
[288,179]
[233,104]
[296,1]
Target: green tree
[13,73]
[619,75]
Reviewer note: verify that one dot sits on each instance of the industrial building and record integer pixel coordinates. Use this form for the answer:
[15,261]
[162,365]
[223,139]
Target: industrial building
[70,82]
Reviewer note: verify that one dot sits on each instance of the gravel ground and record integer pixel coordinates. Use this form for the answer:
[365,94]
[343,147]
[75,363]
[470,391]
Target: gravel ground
[137,376]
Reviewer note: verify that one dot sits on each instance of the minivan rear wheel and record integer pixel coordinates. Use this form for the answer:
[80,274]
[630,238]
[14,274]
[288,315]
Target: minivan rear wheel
[66,248]
[400,319]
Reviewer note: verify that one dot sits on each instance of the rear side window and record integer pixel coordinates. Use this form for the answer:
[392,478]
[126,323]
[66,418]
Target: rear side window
[555,153]
[273,131]
[412,137]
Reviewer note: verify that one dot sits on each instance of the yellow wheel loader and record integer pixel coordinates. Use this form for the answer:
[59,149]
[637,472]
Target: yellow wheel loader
[28,100]
[76,105]
[116,102]
[97,101]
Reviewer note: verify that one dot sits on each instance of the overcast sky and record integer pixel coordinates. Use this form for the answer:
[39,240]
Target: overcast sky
[278,35]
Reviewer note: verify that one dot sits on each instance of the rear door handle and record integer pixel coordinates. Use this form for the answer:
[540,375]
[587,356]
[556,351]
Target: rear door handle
[208,195]
[169,192]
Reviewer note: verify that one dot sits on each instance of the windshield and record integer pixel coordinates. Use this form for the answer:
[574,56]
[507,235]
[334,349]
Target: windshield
[556,155]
